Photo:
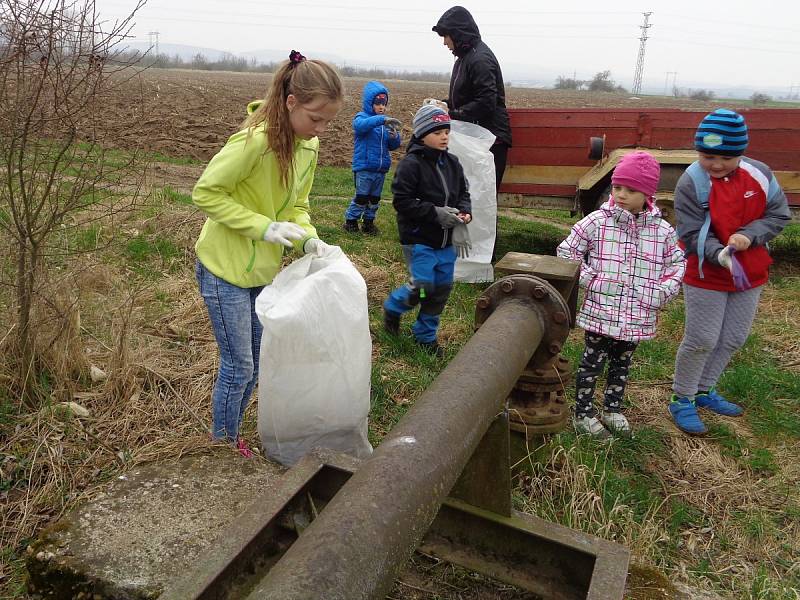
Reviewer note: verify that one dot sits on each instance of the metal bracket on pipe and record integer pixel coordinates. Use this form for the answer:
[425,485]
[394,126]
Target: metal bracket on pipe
[550,560]
[547,303]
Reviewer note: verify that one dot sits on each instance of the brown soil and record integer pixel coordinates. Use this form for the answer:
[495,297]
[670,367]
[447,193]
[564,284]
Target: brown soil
[192,113]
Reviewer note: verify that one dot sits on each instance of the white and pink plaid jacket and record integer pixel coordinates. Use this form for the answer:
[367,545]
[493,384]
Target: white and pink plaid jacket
[630,267]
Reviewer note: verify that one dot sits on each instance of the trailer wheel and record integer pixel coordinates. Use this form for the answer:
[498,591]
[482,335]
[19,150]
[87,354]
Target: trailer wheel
[591,202]
[597,147]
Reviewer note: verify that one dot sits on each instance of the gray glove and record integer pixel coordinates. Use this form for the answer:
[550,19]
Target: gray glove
[392,123]
[446,216]
[461,240]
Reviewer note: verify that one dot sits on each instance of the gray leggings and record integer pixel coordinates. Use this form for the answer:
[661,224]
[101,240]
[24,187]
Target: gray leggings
[717,325]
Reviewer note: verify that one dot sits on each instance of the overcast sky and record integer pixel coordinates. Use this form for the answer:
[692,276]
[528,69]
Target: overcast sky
[730,43]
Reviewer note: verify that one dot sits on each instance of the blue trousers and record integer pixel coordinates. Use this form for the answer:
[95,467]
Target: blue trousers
[238,334]
[431,271]
[369,185]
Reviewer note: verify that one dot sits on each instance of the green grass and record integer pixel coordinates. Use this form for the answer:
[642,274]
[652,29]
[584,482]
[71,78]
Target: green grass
[560,216]
[625,479]
[772,395]
[787,245]
[152,256]
[338,182]
[172,196]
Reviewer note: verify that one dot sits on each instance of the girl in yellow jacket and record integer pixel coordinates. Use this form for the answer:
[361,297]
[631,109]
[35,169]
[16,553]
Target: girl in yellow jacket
[255,194]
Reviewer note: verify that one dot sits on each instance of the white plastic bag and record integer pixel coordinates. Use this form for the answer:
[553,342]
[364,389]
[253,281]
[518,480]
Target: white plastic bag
[315,363]
[471,143]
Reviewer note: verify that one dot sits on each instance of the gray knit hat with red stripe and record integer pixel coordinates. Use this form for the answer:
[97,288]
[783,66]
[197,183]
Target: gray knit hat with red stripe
[429,118]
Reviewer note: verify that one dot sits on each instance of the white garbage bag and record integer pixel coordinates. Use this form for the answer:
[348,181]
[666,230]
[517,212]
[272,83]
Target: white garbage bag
[471,143]
[315,363]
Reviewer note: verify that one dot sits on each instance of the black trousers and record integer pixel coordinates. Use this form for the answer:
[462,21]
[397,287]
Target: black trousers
[500,154]
[597,351]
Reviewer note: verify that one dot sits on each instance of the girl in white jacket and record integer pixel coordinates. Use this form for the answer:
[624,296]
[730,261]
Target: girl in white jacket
[631,266]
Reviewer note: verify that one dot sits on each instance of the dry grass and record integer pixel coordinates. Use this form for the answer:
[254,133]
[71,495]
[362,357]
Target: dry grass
[152,339]
[778,310]
[152,404]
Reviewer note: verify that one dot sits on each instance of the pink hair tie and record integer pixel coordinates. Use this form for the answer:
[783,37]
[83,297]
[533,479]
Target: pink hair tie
[296,58]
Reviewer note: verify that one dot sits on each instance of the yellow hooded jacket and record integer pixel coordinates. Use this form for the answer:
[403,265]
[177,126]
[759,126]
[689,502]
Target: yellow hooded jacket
[242,193]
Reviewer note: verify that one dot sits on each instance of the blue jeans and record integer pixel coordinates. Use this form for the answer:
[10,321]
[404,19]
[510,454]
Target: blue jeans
[431,272]
[238,334]
[369,186]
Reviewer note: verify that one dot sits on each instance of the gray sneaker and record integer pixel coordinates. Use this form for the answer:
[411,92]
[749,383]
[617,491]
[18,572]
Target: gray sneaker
[617,424]
[590,426]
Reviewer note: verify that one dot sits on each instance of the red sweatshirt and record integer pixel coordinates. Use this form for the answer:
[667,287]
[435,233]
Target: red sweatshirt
[746,201]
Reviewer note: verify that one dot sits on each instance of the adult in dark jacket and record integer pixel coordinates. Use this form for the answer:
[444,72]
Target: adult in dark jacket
[477,92]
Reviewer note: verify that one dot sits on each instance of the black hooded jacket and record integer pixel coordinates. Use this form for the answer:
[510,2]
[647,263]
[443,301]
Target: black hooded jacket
[425,178]
[477,92]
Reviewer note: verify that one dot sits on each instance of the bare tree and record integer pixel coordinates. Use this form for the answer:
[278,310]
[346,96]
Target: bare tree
[59,65]
[760,98]
[602,82]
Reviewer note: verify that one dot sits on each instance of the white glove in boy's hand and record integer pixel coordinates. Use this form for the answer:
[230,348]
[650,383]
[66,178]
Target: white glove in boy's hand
[724,258]
[435,102]
[283,232]
[446,216]
[319,248]
[462,241]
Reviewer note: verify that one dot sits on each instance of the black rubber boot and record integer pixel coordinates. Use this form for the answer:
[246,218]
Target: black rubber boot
[433,348]
[369,228]
[391,322]
[351,225]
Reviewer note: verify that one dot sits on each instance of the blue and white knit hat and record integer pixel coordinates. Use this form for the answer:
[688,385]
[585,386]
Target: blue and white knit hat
[429,118]
[722,132]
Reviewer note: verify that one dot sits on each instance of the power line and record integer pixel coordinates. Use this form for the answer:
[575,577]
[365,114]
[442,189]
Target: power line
[666,81]
[637,76]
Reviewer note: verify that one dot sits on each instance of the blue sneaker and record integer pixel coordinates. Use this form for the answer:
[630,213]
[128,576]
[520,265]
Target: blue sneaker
[684,413]
[715,403]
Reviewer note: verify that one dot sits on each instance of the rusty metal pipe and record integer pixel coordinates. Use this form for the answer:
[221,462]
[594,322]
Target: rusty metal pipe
[365,535]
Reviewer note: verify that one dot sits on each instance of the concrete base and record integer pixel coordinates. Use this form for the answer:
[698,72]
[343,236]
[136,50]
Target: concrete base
[150,525]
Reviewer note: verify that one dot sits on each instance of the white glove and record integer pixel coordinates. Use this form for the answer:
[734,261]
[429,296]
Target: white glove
[724,257]
[462,241]
[319,248]
[435,102]
[283,232]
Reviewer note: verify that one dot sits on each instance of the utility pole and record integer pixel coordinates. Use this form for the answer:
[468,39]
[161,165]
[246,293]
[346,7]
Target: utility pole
[153,36]
[666,81]
[637,77]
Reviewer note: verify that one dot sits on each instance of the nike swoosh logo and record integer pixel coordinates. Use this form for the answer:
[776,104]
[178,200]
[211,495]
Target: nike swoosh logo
[749,194]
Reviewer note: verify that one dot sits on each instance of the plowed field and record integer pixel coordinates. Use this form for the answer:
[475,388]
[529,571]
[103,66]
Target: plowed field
[192,113]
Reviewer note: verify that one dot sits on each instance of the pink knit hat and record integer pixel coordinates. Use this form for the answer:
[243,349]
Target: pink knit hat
[639,171]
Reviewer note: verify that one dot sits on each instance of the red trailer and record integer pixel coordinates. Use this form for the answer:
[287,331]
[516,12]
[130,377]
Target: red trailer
[563,158]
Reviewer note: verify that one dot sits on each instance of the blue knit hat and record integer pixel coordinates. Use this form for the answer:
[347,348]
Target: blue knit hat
[429,118]
[722,132]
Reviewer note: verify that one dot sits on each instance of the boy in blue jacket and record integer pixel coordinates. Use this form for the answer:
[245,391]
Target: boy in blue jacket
[374,135]
[433,207]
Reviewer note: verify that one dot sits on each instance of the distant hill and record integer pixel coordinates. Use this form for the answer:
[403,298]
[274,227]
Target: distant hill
[536,76]
[185,52]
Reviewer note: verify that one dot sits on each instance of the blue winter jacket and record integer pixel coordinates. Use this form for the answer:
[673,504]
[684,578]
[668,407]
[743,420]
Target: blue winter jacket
[371,140]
